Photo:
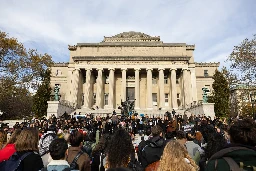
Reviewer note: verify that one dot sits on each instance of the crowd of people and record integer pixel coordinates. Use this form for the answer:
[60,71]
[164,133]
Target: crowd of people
[135,143]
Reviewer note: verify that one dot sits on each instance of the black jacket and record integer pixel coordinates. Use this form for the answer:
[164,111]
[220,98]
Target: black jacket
[32,162]
[152,151]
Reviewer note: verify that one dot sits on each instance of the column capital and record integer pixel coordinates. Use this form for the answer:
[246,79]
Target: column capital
[112,69]
[88,69]
[149,69]
[124,69]
[99,69]
[183,69]
[159,69]
[173,69]
[137,69]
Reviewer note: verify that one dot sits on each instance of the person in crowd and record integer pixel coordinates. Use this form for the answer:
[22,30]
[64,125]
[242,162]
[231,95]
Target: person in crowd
[199,138]
[27,142]
[193,148]
[120,151]
[45,141]
[175,157]
[76,142]
[58,150]
[181,137]
[241,152]
[3,138]
[99,153]
[9,149]
[153,150]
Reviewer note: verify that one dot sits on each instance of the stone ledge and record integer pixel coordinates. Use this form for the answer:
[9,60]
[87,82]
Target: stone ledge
[131,58]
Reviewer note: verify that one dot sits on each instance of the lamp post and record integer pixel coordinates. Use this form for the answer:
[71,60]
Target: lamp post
[253,99]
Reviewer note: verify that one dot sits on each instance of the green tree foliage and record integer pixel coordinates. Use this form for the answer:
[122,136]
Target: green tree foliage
[243,60]
[21,71]
[24,67]
[42,96]
[15,102]
[220,95]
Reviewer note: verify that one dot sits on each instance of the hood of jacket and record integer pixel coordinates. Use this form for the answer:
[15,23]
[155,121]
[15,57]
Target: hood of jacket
[156,142]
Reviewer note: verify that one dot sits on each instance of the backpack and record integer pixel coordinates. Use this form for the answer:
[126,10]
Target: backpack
[233,165]
[13,163]
[87,148]
[135,165]
[53,135]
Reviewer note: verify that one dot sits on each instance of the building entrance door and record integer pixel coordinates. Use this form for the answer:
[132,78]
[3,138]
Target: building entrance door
[130,92]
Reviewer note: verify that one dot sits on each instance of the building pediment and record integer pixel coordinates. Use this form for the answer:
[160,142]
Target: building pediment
[132,36]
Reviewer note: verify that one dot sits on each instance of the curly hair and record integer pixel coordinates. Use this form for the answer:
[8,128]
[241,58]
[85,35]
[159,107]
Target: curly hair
[243,132]
[174,158]
[120,149]
[103,144]
[216,142]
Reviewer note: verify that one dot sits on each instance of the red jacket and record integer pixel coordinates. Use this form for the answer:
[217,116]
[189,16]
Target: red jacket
[7,152]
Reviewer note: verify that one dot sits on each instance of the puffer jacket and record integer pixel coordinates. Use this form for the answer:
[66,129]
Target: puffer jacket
[152,151]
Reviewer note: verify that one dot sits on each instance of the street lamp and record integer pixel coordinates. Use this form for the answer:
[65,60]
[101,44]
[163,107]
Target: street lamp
[253,99]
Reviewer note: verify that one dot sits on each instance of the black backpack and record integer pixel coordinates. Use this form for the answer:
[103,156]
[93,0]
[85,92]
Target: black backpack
[135,165]
[13,163]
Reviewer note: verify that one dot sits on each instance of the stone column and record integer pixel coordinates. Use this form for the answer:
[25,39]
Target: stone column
[173,89]
[123,97]
[68,95]
[75,86]
[189,87]
[111,88]
[161,88]
[99,89]
[186,83]
[149,88]
[137,88]
[88,90]
[193,84]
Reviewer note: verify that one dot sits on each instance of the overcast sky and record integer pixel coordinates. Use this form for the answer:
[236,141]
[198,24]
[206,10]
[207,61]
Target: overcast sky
[214,26]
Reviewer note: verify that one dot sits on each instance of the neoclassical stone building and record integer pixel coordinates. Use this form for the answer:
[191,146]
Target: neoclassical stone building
[160,76]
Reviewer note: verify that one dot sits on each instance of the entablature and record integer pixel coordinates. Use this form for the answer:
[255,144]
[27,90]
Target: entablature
[131,58]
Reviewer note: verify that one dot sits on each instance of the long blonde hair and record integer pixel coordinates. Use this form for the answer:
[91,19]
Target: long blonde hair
[173,158]
[27,140]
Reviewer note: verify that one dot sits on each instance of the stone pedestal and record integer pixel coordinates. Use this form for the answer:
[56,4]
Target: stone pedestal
[204,108]
[58,109]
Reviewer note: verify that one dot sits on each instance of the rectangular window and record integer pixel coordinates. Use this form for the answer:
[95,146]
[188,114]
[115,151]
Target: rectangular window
[154,98]
[154,80]
[84,80]
[178,95]
[166,99]
[94,98]
[206,73]
[165,79]
[106,99]
[107,80]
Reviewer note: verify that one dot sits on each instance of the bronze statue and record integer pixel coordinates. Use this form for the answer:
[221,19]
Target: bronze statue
[56,93]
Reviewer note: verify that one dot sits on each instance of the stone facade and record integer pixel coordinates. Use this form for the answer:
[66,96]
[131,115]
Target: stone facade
[160,76]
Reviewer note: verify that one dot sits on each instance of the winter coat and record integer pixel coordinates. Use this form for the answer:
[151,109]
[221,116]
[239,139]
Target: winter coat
[83,161]
[152,151]
[7,152]
[32,162]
